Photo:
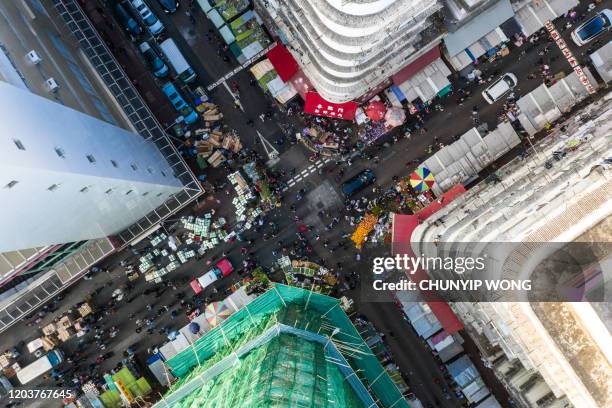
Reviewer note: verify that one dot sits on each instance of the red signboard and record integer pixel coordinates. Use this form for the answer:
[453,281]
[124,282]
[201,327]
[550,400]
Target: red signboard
[569,56]
[316,105]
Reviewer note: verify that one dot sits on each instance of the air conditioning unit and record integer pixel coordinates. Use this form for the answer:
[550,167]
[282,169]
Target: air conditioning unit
[33,57]
[52,85]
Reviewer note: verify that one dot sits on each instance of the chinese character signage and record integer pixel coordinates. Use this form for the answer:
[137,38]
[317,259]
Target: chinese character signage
[569,56]
[316,105]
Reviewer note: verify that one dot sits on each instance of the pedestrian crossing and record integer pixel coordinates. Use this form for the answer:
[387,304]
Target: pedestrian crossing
[301,176]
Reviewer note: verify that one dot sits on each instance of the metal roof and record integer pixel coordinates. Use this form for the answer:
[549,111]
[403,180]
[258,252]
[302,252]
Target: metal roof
[478,27]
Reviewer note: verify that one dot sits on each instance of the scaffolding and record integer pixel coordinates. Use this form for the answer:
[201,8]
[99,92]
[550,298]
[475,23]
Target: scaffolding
[288,348]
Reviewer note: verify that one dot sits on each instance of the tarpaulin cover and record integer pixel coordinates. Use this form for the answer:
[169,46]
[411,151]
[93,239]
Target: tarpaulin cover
[415,66]
[285,65]
[316,105]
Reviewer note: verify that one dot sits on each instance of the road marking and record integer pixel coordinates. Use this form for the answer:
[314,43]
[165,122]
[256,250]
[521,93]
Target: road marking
[240,68]
[319,165]
[291,183]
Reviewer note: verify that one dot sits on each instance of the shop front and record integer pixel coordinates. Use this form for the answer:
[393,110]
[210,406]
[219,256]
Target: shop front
[424,78]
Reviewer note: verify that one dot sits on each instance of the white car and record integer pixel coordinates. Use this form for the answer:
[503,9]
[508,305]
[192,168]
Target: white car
[155,26]
[587,31]
[499,87]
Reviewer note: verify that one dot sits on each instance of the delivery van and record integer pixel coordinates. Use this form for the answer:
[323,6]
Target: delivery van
[40,366]
[179,63]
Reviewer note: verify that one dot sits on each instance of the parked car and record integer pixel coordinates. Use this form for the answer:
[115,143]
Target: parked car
[358,182]
[499,87]
[593,27]
[186,111]
[150,19]
[126,20]
[169,6]
[155,63]
[221,269]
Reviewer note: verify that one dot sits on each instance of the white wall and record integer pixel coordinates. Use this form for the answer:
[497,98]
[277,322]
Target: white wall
[31,214]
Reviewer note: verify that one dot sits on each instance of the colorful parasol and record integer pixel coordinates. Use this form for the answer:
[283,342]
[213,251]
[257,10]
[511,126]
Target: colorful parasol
[395,117]
[422,179]
[376,110]
[216,312]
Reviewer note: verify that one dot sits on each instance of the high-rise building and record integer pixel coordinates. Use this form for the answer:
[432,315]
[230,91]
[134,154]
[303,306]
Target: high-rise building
[346,48]
[68,176]
[548,353]
[82,157]
[288,347]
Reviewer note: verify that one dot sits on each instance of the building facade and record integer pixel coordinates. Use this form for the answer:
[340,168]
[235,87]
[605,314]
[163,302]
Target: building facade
[72,95]
[348,48]
[550,354]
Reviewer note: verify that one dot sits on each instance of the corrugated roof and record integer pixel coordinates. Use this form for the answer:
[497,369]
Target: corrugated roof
[478,27]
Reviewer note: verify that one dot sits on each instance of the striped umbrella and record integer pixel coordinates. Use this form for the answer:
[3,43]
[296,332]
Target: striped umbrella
[421,179]
[216,312]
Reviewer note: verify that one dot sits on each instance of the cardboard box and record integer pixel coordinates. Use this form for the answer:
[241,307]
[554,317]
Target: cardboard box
[49,343]
[85,309]
[64,323]
[48,329]
[216,159]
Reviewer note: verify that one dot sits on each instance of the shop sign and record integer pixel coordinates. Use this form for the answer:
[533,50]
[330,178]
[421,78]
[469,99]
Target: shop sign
[569,56]
[316,105]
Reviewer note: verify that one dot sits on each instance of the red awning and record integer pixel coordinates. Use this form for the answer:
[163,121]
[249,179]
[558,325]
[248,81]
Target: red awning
[316,105]
[301,83]
[283,62]
[403,226]
[443,201]
[415,66]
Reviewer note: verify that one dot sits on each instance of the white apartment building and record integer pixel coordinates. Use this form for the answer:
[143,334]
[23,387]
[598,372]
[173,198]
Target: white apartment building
[549,354]
[347,48]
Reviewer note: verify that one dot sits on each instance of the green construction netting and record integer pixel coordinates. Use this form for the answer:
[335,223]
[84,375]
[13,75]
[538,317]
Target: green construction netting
[247,361]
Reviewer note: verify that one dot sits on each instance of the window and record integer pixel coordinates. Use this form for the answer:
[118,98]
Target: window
[150,170]
[91,158]
[84,189]
[159,194]
[110,190]
[163,174]
[11,184]
[129,192]
[60,152]
[114,163]
[134,167]
[146,193]
[19,145]
[53,187]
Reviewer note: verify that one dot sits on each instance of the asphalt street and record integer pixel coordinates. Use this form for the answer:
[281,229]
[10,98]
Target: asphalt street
[322,193]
